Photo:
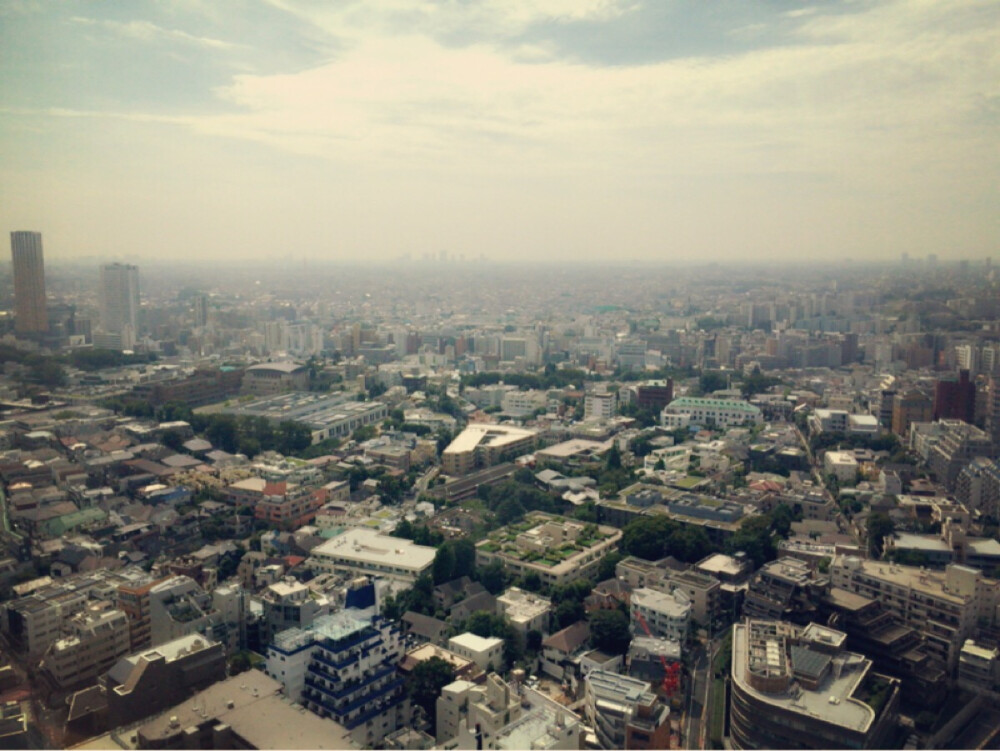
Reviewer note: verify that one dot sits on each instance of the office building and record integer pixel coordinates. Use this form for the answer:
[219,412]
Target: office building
[599,406]
[908,408]
[120,301]
[29,283]
[624,713]
[799,688]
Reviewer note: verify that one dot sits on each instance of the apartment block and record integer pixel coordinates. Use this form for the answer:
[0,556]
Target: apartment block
[527,611]
[624,713]
[481,445]
[667,615]
[96,638]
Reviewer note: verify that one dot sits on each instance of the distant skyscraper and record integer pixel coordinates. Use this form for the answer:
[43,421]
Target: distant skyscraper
[29,282]
[201,310]
[120,299]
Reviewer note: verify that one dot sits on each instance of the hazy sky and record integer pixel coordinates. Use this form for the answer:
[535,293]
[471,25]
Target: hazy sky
[520,129]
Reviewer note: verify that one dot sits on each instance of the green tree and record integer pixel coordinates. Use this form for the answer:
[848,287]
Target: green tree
[444,565]
[568,612]
[606,569]
[609,631]
[880,526]
[533,641]
[493,576]
[424,686]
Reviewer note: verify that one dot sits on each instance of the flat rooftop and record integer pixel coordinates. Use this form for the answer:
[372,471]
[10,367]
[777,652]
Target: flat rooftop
[367,546]
[477,434]
[831,702]
[475,643]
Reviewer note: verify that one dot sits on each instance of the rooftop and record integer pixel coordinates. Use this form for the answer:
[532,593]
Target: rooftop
[476,434]
[475,643]
[831,702]
[365,545]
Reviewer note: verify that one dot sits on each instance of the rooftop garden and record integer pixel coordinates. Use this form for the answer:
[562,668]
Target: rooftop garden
[504,541]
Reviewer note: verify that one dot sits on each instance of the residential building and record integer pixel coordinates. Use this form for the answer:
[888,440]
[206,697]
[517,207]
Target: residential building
[290,604]
[485,652]
[646,655]
[703,593]
[599,405]
[978,486]
[624,713]
[654,395]
[482,445]
[526,611]
[946,607]
[561,651]
[957,446]
[363,551]
[477,713]
[978,667]
[518,403]
[557,549]
[719,412]
[344,667]
[842,465]
[798,688]
[667,615]
[908,408]
[178,607]
[542,728]
[288,505]
[96,638]
[955,398]
[31,316]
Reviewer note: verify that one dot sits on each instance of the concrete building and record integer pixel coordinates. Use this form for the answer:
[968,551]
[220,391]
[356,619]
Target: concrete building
[487,653]
[271,378]
[526,611]
[798,688]
[120,302]
[666,615]
[599,405]
[558,550]
[31,316]
[344,666]
[363,551]
[473,716]
[978,486]
[946,607]
[290,604]
[481,445]
[955,449]
[719,412]
[978,667]
[151,681]
[624,713]
[842,465]
[908,408]
[96,638]
[245,711]
[326,415]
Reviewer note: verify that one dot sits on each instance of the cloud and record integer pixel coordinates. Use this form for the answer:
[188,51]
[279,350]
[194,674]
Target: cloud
[146,31]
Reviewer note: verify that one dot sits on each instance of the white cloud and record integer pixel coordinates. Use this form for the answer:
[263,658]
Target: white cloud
[145,31]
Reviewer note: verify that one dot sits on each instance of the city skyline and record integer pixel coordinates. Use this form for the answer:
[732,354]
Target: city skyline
[577,131]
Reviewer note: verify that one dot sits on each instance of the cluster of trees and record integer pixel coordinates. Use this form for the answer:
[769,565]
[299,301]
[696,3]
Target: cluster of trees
[883,442]
[758,536]
[424,686]
[879,527]
[657,537]
[567,602]
[512,499]
[551,378]
[453,559]
[421,534]
[609,631]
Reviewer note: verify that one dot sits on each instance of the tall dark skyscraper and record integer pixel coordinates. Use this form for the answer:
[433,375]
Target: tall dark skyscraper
[29,283]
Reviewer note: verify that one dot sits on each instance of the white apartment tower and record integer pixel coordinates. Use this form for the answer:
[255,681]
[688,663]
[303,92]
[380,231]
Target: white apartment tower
[120,300]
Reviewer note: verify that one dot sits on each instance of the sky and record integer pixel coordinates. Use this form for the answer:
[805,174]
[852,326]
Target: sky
[518,130]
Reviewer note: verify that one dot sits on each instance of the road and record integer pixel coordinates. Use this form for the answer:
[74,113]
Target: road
[699,712]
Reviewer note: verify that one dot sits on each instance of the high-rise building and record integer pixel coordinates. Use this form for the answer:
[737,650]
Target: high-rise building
[120,299]
[29,282]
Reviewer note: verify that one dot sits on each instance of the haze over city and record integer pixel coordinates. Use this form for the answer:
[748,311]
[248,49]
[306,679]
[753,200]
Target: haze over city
[585,130]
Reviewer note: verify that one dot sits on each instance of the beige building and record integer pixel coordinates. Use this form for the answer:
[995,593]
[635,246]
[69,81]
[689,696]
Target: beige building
[363,551]
[29,283]
[97,638]
[481,445]
[465,709]
[945,606]
[487,653]
[275,378]
[557,549]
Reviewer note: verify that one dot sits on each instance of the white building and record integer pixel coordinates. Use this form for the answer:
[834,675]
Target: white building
[666,615]
[487,653]
[526,610]
[466,710]
[842,465]
[97,638]
[719,412]
[363,551]
[520,403]
[120,301]
[599,406]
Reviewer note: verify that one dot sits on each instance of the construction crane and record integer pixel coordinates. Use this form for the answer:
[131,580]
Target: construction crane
[671,670]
